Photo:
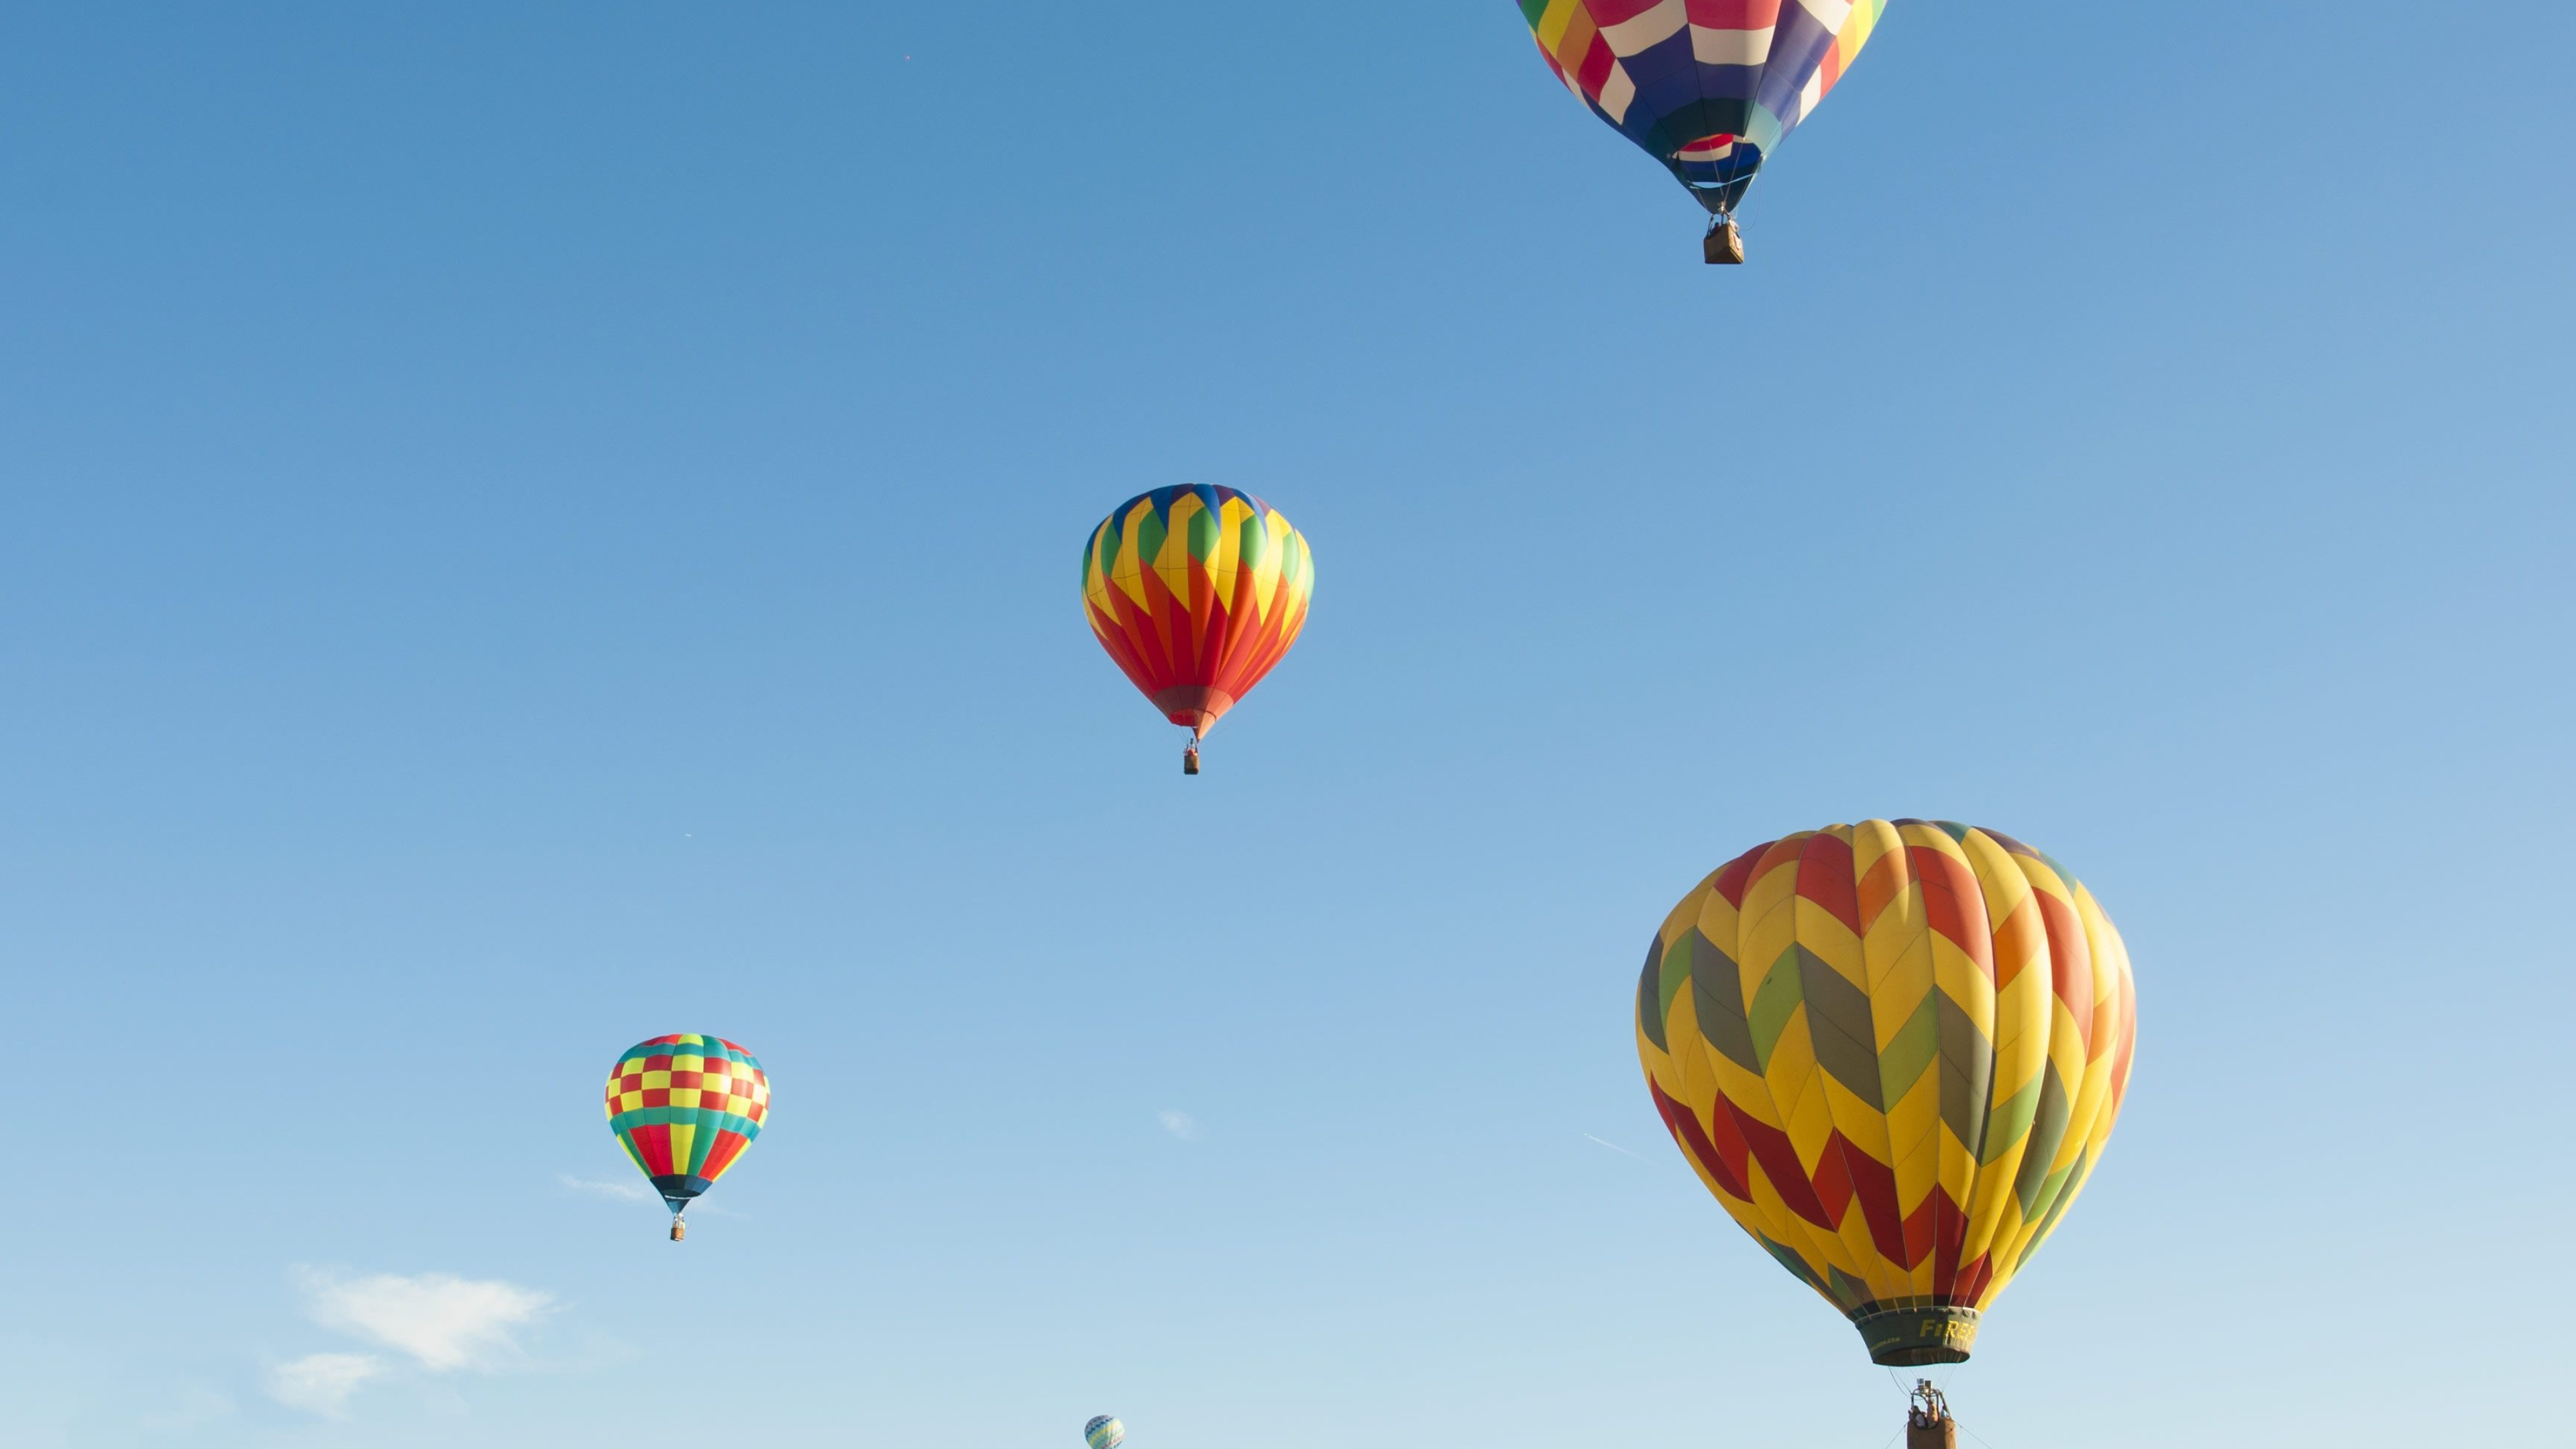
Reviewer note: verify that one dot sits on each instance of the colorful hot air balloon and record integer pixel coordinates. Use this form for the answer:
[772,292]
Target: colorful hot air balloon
[1894,1051]
[1196,592]
[685,1107]
[1708,87]
[1104,1432]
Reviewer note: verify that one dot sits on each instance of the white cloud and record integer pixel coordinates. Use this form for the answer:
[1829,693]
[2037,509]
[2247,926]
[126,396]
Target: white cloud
[1179,1124]
[322,1383]
[614,1191]
[444,1321]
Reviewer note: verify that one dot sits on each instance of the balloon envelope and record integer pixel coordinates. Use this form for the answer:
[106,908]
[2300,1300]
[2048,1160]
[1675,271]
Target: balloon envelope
[1197,592]
[1708,87]
[685,1107]
[1104,1433]
[1893,1051]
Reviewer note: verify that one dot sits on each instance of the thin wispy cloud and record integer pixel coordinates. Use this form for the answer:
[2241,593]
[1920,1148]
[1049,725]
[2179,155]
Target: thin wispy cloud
[1180,1124]
[1613,1146]
[442,1321]
[321,1383]
[613,1191]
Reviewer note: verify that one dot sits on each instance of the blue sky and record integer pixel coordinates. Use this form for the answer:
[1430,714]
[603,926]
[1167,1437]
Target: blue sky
[528,528]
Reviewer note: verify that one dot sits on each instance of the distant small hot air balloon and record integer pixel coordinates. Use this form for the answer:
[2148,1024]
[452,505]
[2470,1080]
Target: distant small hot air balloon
[1197,592]
[1708,87]
[1104,1432]
[1894,1052]
[684,1107]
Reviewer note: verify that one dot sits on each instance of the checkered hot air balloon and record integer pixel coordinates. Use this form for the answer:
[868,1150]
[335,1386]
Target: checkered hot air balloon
[1197,592]
[684,1107]
[1894,1051]
[1104,1432]
[1707,87]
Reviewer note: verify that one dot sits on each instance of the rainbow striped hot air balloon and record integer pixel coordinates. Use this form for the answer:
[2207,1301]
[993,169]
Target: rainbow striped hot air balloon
[1104,1432]
[685,1107]
[1894,1051]
[1197,592]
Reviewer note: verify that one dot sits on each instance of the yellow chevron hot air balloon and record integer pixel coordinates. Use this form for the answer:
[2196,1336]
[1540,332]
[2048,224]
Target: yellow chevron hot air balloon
[1197,592]
[1894,1051]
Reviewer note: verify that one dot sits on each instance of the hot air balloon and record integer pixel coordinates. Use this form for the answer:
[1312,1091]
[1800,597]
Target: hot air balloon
[1708,87]
[1104,1432]
[1197,592]
[1894,1051]
[685,1107]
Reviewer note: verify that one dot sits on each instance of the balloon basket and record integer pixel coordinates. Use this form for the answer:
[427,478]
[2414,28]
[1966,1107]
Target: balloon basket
[1723,246]
[1928,1424]
[1190,760]
[679,1231]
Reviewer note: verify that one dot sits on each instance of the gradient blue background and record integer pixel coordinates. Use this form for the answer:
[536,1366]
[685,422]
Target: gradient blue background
[529,527]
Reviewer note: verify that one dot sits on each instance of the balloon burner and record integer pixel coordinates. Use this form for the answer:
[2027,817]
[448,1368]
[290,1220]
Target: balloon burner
[1928,1424]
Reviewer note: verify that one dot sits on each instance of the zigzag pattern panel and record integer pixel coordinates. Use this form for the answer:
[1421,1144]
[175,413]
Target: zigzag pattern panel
[1197,593]
[1894,1052]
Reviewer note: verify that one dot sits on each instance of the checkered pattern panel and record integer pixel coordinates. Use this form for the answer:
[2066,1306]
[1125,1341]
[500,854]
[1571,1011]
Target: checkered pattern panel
[700,1072]
[685,1107]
